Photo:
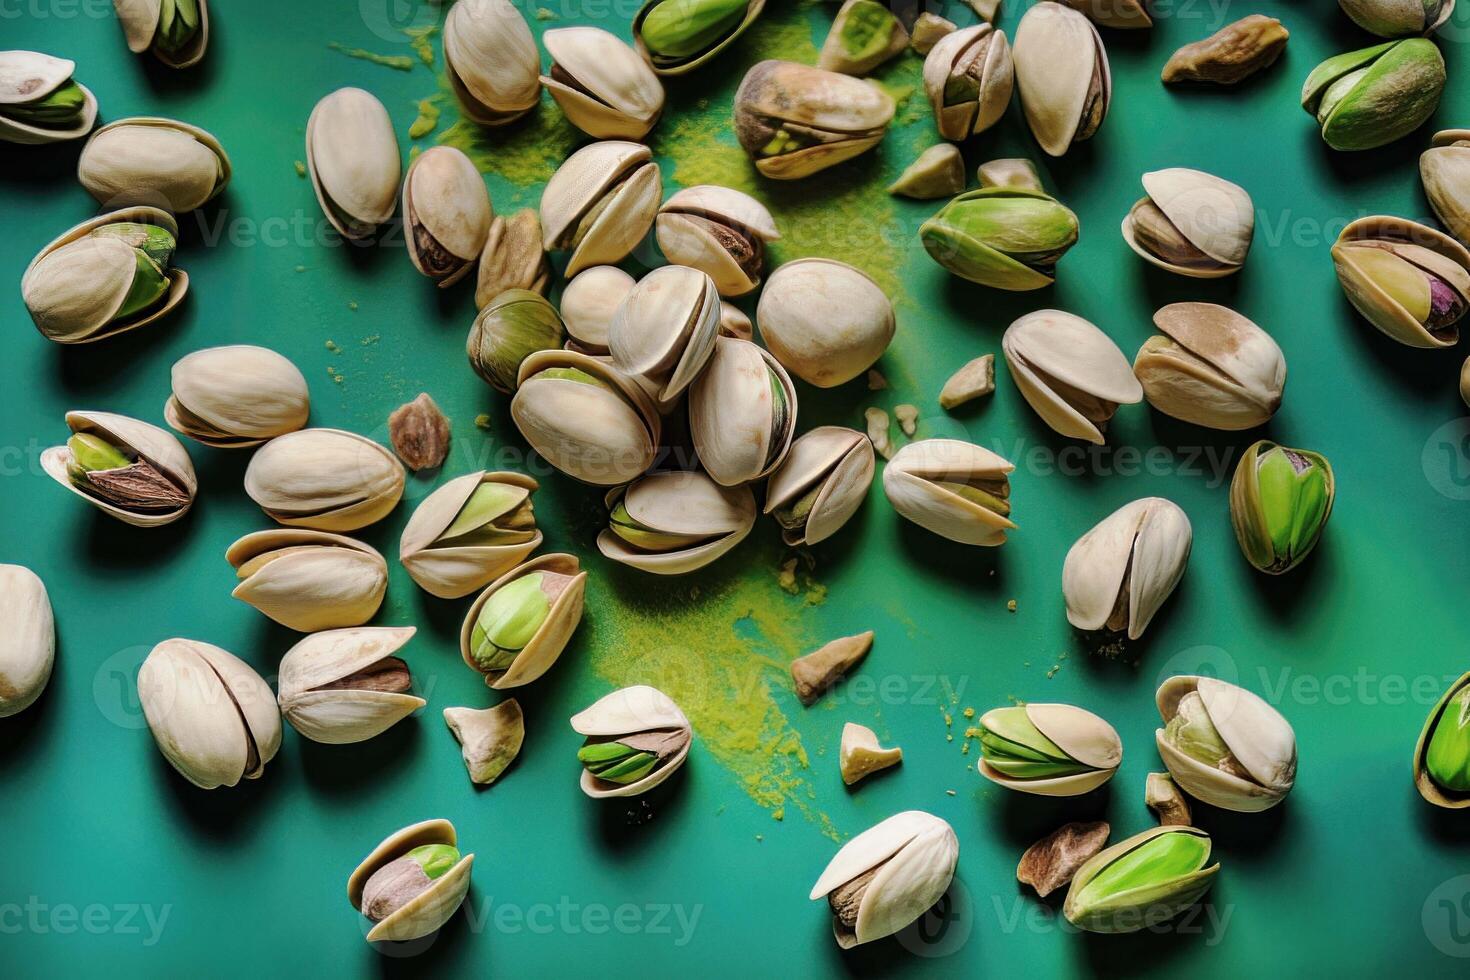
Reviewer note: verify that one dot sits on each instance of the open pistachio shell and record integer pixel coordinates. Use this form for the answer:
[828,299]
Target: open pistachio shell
[446,214]
[1399,18]
[911,857]
[795,120]
[426,912]
[630,711]
[30,76]
[1258,765]
[864,34]
[140,24]
[28,646]
[324,479]
[1191,223]
[601,83]
[352,158]
[153,161]
[491,60]
[513,258]
[236,397]
[1212,367]
[1086,741]
[1445,171]
[1149,888]
[824,320]
[742,413]
[1063,76]
[489,739]
[664,331]
[148,443]
[588,304]
[1070,372]
[543,649]
[1450,713]
[925,482]
[1408,280]
[822,483]
[721,232]
[600,203]
[677,522]
[309,580]
[969,77]
[696,31]
[449,567]
[1280,500]
[327,684]
[1117,575]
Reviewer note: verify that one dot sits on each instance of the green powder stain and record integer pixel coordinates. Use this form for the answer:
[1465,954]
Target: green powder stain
[419,38]
[398,62]
[427,119]
[525,154]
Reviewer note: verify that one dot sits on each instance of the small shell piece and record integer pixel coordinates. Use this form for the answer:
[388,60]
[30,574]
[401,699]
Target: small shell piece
[491,60]
[1119,14]
[28,645]
[600,203]
[324,479]
[958,490]
[1063,76]
[214,719]
[563,576]
[664,332]
[1117,575]
[601,83]
[969,77]
[426,912]
[446,214]
[975,380]
[742,413]
[347,685]
[1408,280]
[588,304]
[632,711]
[140,443]
[822,483]
[236,397]
[513,258]
[1016,173]
[908,862]
[153,161]
[1225,745]
[864,35]
[1212,367]
[825,321]
[1191,223]
[815,673]
[860,755]
[937,172]
[1142,882]
[28,78]
[927,31]
[179,42]
[794,120]
[352,157]
[1445,171]
[489,739]
[673,523]
[1070,372]
[1048,749]
[1446,733]
[309,580]
[470,532]
[1161,795]
[721,232]
[693,37]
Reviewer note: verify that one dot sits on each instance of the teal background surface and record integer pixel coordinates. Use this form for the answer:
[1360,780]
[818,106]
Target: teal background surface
[114,864]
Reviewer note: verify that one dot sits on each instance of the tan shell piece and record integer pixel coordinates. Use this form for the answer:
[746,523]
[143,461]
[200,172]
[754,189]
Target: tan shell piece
[318,580]
[489,739]
[430,909]
[537,656]
[860,755]
[149,442]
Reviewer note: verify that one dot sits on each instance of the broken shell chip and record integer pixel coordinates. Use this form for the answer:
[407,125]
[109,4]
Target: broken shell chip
[825,321]
[663,333]
[153,485]
[794,120]
[236,397]
[600,203]
[600,82]
[347,685]
[470,532]
[1444,169]
[153,161]
[1118,14]
[427,911]
[742,413]
[1441,758]
[1052,861]
[1117,575]
[513,258]
[1015,173]
[352,158]
[1070,372]
[446,214]
[324,479]
[677,36]
[1048,749]
[969,77]
[1191,223]
[1063,76]
[489,739]
[721,232]
[491,60]
[823,481]
[860,755]
[1212,367]
[630,712]
[1225,745]
[887,876]
[309,580]
[864,34]
[955,489]
[178,41]
[28,650]
[588,304]
[1408,280]
[540,622]
[673,523]
[28,79]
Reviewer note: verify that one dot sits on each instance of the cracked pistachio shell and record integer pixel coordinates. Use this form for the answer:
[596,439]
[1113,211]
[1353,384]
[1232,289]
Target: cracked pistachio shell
[352,158]
[795,120]
[1445,171]
[969,76]
[309,580]
[30,76]
[920,482]
[1211,367]
[824,320]
[28,647]
[147,442]
[1070,372]
[1142,881]
[324,479]
[489,739]
[588,304]
[742,413]
[153,161]
[316,692]
[721,232]
[1369,98]
[446,214]
[629,711]
[663,333]
[600,203]
[513,258]
[1205,223]
[1118,14]
[1399,18]
[1255,744]
[937,172]
[822,483]
[427,911]
[1280,500]
[1142,547]
[1446,733]
[860,754]
[1063,76]
[140,24]
[236,397]
[448,569]
[864,35]
[511,327]
[546,645]
[698,519]
[491,60]
[1004,237]
[1408,280]
[600,82]
[1083,738]
[75,287]
[677,36]
[914,854]
[214,719]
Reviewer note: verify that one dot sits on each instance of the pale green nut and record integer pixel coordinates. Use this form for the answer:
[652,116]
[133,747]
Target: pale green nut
[1143,881]
[178,24]
[1005,237]
[435,859]
[515,325]
[508,621]
[615,762]
[1280,500]
[1014,747]
[60,109]
[868,30]
[495,514]
[1442,757]
[1369,98]
[91,453]
[676,30]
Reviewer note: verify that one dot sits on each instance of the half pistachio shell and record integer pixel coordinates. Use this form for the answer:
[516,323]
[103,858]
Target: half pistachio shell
[864,34]
[1063,76]
[30,76]
[825,321]
[1450,711]
[140,23]
[923,482]
[1085,739]
[489,739]
[1408,280]
[139,440]
[309,580]
[1191,223]
[698,39]
[513,258]
[1249,761]
[1070,372]
[426,912]
[352,157]
[1445,170]
[937,172]
[1117,575]
[28,647]
[600,203]
[663,333]
[719,231]
[742,413]
[236,397]
[449,567]
[969,76]
[324,479]
[676,522]
[795,120]
[446,214]
[588,304]
[630,711]
[1212,367]
[1149,892]
[491,60]
[601,83]
[153,161]
[1399,18]
[822,483]
[332,684]
[542,650]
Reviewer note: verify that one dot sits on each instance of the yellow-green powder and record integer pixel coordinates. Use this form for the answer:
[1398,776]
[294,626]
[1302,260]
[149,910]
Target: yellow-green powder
[398,62]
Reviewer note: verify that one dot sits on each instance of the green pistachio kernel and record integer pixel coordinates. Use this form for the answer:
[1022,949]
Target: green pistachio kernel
[1015,747]
[1153,865]
[508,621]
[1192,732]
[435,859]
[780,416]
[1447,757]
[495,514]
[867,30]
[572,374]
[616,762]
[794,515]
[60,108]
[1369,98]
[1280,500]
[680,29]
[91,452]
[178,23]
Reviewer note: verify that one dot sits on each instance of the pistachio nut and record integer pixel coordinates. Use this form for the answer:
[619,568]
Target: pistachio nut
[352,158]
[600,203]
[324,479]
[1070,372]
[491,60]
[937,172]
[517,628]
[513,258]
[719,231]
[1445,171]
[600,82]
[1399,18]
[153,161]
[418,431]
[888,876]
[511,327]
[586,418]
[176,31]
[1225,745]
[675,522]
[446,214]
[1465,382]
[663,334]
[214,719]
[1211,367]
[824,320]
[734,323]
[106,276]
[347,685]
[864,34]
[1408,280]
[955,489]
[795,120]
[1006,237]
[236,397]
[742,413]
[636,738]
[1144,881]
[1013,172]
[1120,14]
[28,649]
[470,532]
[40,101]
[308,580]
[969,76]
[1047,749]
[412,883]
[1191,223]
[821,484]
[1051,862]
[130,470]
[588,304]
[1230,55]
[1280,500]
[489,740]
[677,36]
[860,754]
[1063,76]
[1442,756]
[1369,98]
[1117,575]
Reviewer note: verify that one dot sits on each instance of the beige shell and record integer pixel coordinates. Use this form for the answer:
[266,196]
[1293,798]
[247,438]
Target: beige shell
[1070,372]
[685,237]
[1057,54]
[153,161]
[909,482]
[352,158]
[491,60]
[628,711]
[28,645]
[1079,733]
[1398,18]
[1146,544]
[324,479]
[26,76]
[601,83]
[446,214]
[431,908]
[663,333]
[149,442]
[1256,734]
[682,66]
[538,655]
[615,176]
[860,754]
[1212,367]
[316,581]
[737,428]
[1445,170]
[1118,14]
[1428,788]
[213,717]
[139,19]
[489,739]
[996,82]
[684,503]
[313,700]
[834,463]
[513,258]
[236,397]
[824,320]
[1214,215]
[1421,246]
[450,571]
[588,304]
[847,116]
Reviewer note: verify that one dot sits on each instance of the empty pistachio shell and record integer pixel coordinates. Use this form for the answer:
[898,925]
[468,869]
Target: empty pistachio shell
[664,331]
[1408,280]
[938,172]
[309,580]
[795,120]
[491,60]
[969,77]
[489,740]
[742,413]
[1225,745]
[719,231]
[1398,18]
[1212,367]
[1117,575]
[176,31]
[236,397]
[1063,76]
[822,483]
[1191,223]
[1442,755]
[431,903]
[600,203]
[1465,382]
[28,648]
[40,101]
[1280,500]
[636,738]
[1142,882]
[677,36]
[1230,55]
[511,327]
[1123,14]
[1070,372]
[1048,749]
[513,258]
[517,628]
[470,532]
[446,214]
[214,719]
[676,522]
[928,30]
[1006,237]
[887,876]
[324,479]
[824,320]
[1369,98]
[864,34]
[601,83]
[347,685]
[860,755]
[153,161]
[352,157]
[1445,170]
[955,489]
[128,469]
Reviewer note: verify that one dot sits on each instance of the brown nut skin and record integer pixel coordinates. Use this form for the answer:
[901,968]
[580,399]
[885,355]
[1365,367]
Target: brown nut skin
[1230,55]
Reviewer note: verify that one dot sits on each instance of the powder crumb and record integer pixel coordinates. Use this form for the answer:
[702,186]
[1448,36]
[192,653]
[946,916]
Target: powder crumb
[759,838]
[300,169]
[965,749]
[1053,671]
[949,792]
[543,13]
[334,374]
[779,813]
[949,738]
[786,577]
[948,719]
[301,268]
[398,62]
[1011,605]
[482,421]
[969,712]
[332,346]
[352,305]
[371,339]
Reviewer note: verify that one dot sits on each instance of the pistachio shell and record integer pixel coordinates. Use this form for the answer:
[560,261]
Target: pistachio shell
[663,333]
[588,304]
[1070,372]
[448,570]
[1399,18]
[153,161]
[824,320]
[711,228]
[149,442]
[740,431]
[1445,171]
[324,479]
[1214,367]
[28,76]
[1079,733]
[836,116]
[685,503]
[513,258]
[491,60]
[1260,739]
[1277,539]
[428,910]
[1011,172]
[446,213]
[316,580]
[489,739]
[1369,98]
[352,158]
[860,754]
[864,35]
[1142,546]
[1119,14]
[314,700]
[1423,781]
[1214,216]
[832,464]
[139,19]
[1144,905]
[236,397]
[683,64]
[1420,246]
[1063,76]
[628,711]
[937,172]
[510,328]
[601,83]
[911,483]
[28,647]
[543,649]
[618,177]
[986,85]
